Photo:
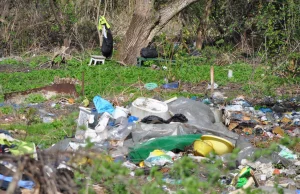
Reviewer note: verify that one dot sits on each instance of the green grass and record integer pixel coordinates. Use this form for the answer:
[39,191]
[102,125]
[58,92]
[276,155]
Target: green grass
[6,110]
[112,79]
[35,98]
[46,134]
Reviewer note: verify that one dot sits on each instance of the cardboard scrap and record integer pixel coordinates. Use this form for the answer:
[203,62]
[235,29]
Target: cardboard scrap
[232,126]
[278,130]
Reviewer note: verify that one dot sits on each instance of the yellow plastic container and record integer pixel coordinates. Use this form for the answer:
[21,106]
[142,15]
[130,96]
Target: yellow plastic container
[220,145]
[202,148]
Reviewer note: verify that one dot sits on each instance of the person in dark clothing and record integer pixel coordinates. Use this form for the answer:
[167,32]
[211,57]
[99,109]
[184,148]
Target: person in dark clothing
[107,44]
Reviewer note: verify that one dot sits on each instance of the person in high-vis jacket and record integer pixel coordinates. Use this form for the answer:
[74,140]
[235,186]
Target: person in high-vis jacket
[107,44]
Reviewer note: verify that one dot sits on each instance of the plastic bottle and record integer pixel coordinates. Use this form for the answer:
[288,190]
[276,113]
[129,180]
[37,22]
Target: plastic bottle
[122,129]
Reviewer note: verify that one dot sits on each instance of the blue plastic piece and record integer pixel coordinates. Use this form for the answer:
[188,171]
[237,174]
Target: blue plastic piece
[194,97]
[265,110]
[21,183]
[103,105]
[172,85]
[131,119]
[246,104]
[206,101]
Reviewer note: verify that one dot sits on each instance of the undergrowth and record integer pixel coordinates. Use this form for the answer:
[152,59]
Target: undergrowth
[112,80]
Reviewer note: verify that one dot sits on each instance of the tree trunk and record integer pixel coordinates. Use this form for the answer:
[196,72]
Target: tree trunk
[202,28]
[4,8]
[59,17]
[144,25]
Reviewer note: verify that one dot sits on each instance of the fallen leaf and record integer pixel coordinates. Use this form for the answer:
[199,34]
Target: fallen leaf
[71,100]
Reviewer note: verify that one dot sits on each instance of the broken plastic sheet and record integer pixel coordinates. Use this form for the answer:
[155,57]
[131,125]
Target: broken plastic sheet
[201,119]
[144,132]
[142,151]
[193,110]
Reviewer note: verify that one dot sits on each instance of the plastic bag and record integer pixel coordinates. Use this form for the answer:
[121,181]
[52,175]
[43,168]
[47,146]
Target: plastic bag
[122,130]
[193,110]
[141,151]
[103,105]
[144,132]
[287,153]
[243,176]
[149,52]
[157,120]
[158,158]
[201,118]
[152,119]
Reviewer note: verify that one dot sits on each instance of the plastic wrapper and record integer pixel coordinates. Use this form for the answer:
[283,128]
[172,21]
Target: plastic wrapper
[158,158]
[287,153]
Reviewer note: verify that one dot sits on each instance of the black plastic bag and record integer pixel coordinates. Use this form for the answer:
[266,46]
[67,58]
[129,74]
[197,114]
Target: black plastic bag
[157,120]
[153,120]
[149,52]
[178,118]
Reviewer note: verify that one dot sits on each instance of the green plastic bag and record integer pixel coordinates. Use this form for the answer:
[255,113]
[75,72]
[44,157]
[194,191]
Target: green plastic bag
[142,151]
[243,177]
[20,148]
[102,21]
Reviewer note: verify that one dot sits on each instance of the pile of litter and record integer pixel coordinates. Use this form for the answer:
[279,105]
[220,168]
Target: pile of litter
[150,133]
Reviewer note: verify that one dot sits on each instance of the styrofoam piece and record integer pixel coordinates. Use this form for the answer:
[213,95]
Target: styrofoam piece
[143,107]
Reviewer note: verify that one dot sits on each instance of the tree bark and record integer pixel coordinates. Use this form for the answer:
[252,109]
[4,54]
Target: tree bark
[146,22]
[4,8]
[202,28]
[66,41]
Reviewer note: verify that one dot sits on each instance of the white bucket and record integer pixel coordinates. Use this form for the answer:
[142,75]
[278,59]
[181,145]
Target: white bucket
[120,112]
[143,107]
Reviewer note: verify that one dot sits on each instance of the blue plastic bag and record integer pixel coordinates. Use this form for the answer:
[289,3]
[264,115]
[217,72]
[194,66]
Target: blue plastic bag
[172,85]
[103,105]
[265,110]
